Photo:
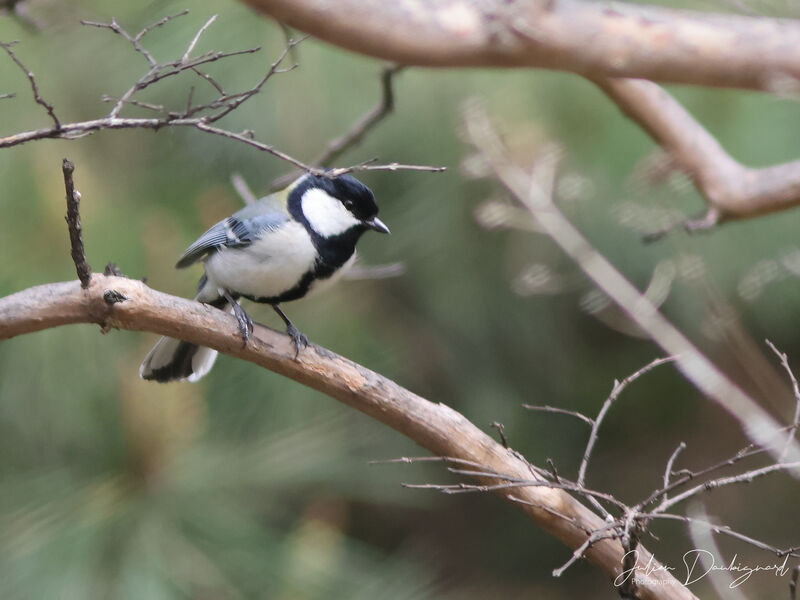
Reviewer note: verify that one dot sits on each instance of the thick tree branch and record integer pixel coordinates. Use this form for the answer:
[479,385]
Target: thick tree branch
[129,304]
[590,38]
[732,190]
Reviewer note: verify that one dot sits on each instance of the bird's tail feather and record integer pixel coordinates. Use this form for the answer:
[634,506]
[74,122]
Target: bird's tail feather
[176,360]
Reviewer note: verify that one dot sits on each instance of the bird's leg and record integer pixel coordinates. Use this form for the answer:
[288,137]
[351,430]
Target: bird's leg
[245,322]
[297,337]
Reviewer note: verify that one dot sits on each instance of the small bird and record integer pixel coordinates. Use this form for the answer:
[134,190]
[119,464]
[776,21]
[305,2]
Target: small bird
[280,248]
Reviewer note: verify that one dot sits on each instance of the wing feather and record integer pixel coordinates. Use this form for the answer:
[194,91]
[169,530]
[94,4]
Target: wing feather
[238,231]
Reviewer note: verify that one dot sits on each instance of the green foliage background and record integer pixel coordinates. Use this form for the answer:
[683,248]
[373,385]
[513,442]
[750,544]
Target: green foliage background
[250,486]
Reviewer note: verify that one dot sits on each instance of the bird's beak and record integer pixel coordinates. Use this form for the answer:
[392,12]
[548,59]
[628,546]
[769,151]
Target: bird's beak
[377,225]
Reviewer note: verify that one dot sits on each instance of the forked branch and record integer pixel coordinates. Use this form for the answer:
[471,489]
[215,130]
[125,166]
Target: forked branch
[203,117]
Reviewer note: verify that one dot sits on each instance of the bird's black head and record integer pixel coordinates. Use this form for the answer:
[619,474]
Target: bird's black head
[319,200]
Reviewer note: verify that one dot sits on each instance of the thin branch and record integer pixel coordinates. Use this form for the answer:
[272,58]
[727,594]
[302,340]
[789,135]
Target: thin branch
[670,463]
[619,386]
[725,530]
[434,426]
[366,123]
[578,553]
[685,475]
[509,481]
[160,23]
[73,219]
[191,115]
[357,131]
[196,38]
[560,411]
[210,80]
[419,459]
[712,484]
[795,389]
[534,192]
[136,40]
[34,87]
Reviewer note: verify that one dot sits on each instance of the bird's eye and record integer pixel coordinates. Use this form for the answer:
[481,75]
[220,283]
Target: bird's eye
[348,204]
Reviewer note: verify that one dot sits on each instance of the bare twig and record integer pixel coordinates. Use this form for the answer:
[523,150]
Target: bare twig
[553,471]
[419,459]
[196,38]
[727,531]
[361,127]
[202,117]
[560,411]
[685,475]
[73,219]
[600,534]
[510,482]
[357,131]
[34,87]
[670,462]
[712,484]
[136,40]
[501,432]
[615,392]
[795,389]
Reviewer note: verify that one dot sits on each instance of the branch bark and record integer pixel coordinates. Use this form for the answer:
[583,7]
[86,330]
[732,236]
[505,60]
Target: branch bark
[129,304]
[589,38]
[732,190]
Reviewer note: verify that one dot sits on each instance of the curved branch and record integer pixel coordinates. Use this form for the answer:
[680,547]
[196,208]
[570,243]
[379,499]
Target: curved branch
[589,38]
[129,304]
[732,190]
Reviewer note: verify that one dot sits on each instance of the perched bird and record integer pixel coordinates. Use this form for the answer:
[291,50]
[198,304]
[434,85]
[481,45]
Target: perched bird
[281,248]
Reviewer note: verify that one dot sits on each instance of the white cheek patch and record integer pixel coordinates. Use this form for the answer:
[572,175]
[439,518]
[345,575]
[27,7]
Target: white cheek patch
[326,215]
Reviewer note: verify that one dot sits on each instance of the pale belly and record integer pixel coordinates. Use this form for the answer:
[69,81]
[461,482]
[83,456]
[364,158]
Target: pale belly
[268,268]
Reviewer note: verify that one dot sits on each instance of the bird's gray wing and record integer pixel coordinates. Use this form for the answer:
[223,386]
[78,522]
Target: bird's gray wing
[237,231]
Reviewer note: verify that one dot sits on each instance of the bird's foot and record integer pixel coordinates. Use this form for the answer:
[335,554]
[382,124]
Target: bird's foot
[298,338]
[244,321]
